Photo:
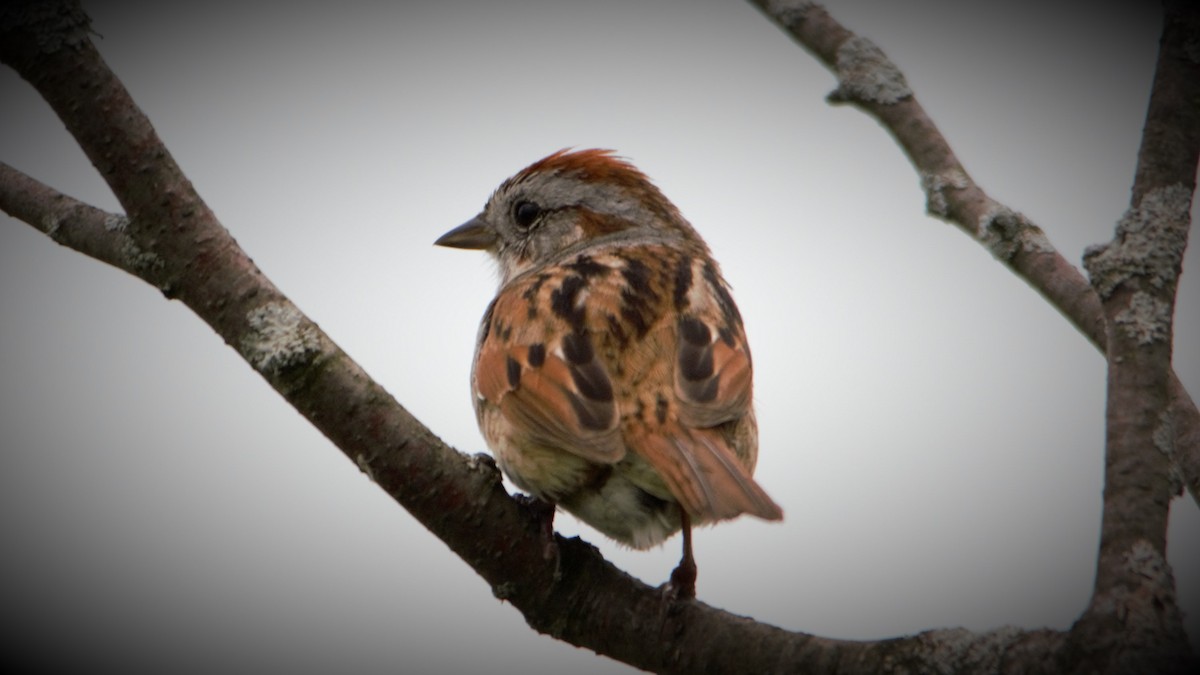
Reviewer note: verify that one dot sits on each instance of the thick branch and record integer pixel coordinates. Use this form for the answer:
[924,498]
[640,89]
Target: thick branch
[1133,622]
[868,80]
[192,258]
[1136,275]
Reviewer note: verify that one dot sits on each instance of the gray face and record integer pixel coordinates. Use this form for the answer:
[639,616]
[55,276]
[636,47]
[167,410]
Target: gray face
[537,217]
[566,203]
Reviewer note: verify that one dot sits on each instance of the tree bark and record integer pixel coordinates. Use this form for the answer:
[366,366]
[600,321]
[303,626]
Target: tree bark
[171,239]
[869,81]
[1133,619]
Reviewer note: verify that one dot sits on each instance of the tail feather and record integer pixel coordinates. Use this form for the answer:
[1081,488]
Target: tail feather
[703,475]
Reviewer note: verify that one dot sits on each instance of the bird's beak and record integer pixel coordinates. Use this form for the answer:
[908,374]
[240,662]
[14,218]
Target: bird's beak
[473,234]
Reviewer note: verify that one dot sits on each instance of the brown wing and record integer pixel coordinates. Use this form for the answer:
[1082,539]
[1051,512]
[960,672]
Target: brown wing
[556,393]
[619,369]
[703,440]
[712,373]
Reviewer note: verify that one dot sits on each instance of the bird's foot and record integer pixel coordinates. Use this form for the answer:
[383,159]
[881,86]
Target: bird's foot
[543,512]
[682,585]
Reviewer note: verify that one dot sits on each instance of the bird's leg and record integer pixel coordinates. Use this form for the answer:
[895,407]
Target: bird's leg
[543,511]
[683,577]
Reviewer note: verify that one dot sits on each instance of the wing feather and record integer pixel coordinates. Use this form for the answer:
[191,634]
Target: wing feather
[558,396]
[638,356]
[713,381]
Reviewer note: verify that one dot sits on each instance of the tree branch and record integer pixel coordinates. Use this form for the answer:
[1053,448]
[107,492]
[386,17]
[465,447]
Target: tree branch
[70,222]
[868,80]
[584,600]
[1136,276]
[459,498]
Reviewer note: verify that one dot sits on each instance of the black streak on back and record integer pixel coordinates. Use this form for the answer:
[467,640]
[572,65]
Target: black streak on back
[728,309]
[563,301]
[683,281]
[638,299]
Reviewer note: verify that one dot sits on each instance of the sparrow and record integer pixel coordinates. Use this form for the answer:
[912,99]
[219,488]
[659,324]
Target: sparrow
[612,377]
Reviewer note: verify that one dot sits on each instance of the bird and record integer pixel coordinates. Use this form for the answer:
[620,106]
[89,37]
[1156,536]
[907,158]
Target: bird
[612,377]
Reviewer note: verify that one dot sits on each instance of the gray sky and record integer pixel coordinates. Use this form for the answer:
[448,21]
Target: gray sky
[931,427]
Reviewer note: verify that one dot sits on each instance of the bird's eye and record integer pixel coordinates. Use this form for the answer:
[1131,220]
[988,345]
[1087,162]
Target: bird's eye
[525,213]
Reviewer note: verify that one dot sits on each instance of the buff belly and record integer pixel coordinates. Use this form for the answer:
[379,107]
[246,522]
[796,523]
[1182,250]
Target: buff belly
[625,501]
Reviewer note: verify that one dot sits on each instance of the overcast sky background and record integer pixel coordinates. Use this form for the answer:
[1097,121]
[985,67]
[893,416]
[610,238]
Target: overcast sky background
[931,427]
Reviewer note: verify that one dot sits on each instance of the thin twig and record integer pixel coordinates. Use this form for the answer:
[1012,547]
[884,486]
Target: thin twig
[72,223]
[869,81]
